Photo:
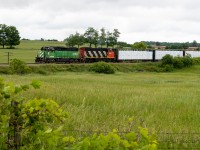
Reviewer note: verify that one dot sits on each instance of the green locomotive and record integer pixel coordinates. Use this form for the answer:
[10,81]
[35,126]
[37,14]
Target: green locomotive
[58,54]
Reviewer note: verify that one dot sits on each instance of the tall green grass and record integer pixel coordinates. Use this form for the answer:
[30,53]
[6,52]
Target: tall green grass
[167,102]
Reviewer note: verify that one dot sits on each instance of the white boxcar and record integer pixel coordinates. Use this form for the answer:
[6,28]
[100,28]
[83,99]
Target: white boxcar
[193,53]
[135,55]
[160,54]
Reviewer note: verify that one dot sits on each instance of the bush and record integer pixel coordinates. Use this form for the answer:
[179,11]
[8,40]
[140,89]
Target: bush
[102,67]
[19,67]
[178,62]
[5,70]
[187,61]
[168,68]
[167,60]
[196,61]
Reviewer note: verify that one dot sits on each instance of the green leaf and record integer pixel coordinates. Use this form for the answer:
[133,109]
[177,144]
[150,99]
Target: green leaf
[35,84]
[25,87]
[18,89]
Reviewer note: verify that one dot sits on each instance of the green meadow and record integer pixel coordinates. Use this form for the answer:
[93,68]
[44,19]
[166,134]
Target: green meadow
[165,102]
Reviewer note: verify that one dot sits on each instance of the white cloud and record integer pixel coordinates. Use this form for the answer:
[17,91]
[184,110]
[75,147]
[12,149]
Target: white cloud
[160,20]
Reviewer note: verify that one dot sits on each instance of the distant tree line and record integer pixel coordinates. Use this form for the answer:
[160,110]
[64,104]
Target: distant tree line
[176,45]
[95,38]
[9,36]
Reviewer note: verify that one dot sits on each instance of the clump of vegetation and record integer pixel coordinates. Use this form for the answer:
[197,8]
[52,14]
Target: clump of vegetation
[102,67]
[28,124]
[19,67]
[169,62]
[38,124]
[188,61]
[196,61]
[114,140]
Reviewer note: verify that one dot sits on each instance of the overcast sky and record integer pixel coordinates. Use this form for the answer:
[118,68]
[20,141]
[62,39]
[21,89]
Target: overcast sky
[137,20]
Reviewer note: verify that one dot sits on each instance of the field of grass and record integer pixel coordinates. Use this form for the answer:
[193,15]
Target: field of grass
[164,102]
[167,102]
[26,51]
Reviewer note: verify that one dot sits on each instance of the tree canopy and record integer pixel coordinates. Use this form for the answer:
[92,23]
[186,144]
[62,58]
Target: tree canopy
[94,37]
[139,46]
[9,36]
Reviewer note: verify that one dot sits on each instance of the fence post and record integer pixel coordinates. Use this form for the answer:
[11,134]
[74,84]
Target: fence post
[183,53]
[8,56]
[154,55]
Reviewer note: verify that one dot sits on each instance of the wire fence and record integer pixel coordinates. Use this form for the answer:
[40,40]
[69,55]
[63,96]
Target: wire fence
[182,141]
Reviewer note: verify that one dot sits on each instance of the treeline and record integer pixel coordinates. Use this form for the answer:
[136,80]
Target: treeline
[175,45]
[95,38]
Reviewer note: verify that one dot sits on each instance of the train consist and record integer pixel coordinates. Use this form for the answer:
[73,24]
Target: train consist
[56,54]
[52,54]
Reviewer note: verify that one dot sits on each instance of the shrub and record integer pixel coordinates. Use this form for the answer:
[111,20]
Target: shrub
[187,61]
[178,62]
[167,60]
[4,70]
[196,61]
[114,141]
[102,67]
[168,68]
[19,67]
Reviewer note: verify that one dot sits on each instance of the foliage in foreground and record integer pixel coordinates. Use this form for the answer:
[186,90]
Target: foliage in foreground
[38,124]
[114,140]
[27,124]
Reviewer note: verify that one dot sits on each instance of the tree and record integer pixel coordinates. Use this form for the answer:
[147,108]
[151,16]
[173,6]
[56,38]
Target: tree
[139,46]
[121,44]
[70,41]
[194,43]
[75,39]
[79,39]
[111,38]
[11,36]
[3,35]
[102,37]
[116,34]
[91,35]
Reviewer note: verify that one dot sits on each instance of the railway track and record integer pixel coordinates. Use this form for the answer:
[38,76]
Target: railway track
[29,64]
